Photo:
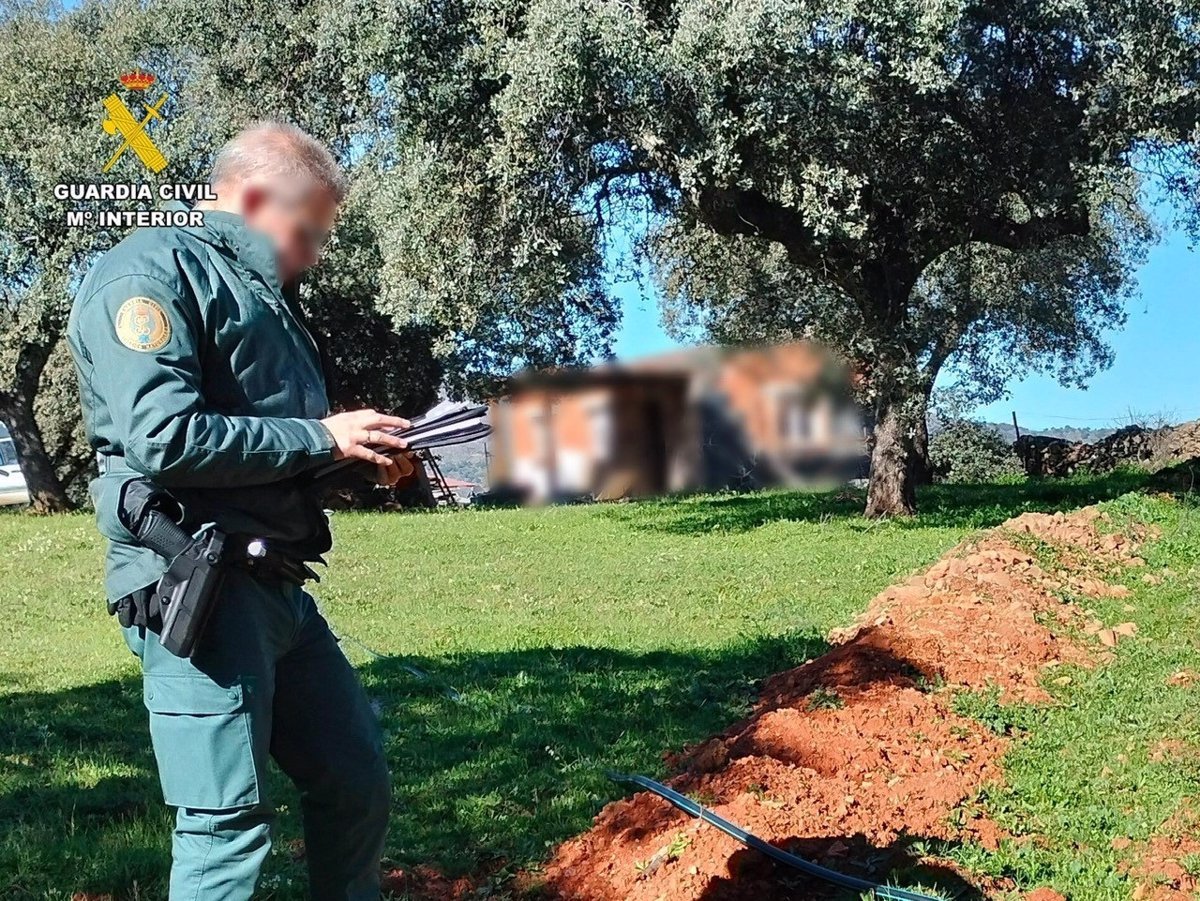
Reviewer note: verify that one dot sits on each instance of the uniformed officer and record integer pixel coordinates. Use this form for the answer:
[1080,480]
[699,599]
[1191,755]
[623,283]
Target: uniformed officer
[197,372]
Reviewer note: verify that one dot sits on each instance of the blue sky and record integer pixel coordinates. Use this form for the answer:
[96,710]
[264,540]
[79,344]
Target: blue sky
[1155,371]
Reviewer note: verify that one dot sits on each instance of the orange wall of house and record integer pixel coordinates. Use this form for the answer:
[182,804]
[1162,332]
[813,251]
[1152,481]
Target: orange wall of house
[744,378]
[746,375]
[569,414]
[520,439]
[572,422]
[524,438]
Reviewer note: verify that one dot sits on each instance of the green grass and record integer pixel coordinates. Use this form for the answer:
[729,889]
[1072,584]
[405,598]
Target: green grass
[1089,769]
[575,639]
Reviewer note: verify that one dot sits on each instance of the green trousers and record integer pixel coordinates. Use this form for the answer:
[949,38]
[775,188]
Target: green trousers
[268,680]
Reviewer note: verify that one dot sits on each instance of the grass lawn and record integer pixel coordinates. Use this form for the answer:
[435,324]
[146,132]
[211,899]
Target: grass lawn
[563,642]
[1119,753]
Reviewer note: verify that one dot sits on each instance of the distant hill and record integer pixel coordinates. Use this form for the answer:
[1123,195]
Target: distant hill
[464,461]
[1067,433]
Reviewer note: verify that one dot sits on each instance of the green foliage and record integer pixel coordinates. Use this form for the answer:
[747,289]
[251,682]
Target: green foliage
[57,410]
[502,285]
[918,184]
[370,359]
[219,75]
[867,174]
[416,288]
[825,699]
[967,451]
[985,707]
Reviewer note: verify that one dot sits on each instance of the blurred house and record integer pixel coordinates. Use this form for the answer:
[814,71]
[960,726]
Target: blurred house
[702,418]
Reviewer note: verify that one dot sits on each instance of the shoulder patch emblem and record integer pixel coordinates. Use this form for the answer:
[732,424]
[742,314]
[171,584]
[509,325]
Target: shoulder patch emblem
[142,324]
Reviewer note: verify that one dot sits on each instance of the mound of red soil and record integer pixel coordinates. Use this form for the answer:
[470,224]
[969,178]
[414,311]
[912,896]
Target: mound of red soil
[1166,866]
[850,753]
[1167,869]
[1044,894]
[424,883]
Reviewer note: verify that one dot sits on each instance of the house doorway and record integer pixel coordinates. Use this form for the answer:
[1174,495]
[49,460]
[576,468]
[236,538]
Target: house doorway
[655,438]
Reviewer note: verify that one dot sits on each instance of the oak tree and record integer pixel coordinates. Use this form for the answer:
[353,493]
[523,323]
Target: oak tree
[864,146]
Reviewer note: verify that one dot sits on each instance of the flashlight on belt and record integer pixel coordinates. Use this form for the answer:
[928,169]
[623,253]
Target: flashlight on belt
[261,559]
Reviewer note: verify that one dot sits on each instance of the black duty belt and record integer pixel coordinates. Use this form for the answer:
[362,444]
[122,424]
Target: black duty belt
[186,594]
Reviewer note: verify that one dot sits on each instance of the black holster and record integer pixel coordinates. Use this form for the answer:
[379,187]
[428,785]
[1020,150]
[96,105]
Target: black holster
[179,606]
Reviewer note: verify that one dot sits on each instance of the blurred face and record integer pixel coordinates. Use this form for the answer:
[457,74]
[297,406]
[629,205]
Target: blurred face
[298,224]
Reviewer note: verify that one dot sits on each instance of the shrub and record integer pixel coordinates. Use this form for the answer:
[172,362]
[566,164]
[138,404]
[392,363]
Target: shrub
[967,451]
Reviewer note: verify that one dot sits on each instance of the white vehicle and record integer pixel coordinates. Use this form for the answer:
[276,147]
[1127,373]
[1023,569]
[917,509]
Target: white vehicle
[12,481]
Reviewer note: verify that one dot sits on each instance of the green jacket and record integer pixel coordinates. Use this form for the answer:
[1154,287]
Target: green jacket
[195,371]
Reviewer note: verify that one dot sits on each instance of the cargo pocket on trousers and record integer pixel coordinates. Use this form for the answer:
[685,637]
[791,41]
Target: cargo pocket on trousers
[202,742]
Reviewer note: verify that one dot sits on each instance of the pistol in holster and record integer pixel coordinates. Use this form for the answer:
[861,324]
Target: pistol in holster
[187,593]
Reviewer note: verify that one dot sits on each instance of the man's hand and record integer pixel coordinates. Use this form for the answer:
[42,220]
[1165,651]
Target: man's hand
[390,474]
[352,433]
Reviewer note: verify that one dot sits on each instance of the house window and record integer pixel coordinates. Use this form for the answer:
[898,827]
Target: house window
[795,421]
[601,414]
[541,421]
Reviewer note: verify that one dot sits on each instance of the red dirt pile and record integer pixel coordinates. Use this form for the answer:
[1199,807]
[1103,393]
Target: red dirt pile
[424,883]
[850,752]
[1165,866]
[1044,894]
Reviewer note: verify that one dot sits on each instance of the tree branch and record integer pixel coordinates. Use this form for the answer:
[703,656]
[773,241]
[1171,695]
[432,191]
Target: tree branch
[1035,232]
[606,177]
[737,211]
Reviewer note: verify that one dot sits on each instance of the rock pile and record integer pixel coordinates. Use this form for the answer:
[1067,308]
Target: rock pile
[1131,446]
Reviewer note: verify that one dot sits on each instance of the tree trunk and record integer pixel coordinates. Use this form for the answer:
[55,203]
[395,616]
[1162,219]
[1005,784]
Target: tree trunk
[922,470]
[46,492]
[892,488]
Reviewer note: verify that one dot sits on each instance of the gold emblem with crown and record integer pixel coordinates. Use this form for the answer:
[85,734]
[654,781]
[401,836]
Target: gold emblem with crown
[136,80]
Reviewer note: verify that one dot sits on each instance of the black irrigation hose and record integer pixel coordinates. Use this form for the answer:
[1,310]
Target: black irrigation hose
[687,805]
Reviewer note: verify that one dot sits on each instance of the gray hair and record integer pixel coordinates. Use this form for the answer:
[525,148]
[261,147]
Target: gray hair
[281,152]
